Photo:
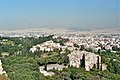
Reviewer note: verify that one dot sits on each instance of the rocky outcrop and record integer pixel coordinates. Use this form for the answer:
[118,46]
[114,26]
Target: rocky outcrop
[1,69]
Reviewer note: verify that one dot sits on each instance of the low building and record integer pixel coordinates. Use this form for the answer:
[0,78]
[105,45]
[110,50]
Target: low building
[50,67]
[46,46]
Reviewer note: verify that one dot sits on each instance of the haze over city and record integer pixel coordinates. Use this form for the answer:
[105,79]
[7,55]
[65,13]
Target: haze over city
[59,40]
[79,14]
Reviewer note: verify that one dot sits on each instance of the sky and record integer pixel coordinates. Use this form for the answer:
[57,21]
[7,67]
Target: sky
[87,14]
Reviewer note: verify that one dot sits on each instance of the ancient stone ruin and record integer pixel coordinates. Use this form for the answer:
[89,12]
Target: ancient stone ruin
[87,60]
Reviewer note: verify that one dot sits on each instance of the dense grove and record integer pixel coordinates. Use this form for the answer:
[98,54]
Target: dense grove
[23,65]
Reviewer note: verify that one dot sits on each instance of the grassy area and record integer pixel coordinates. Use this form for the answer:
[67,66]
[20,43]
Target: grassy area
[21,68]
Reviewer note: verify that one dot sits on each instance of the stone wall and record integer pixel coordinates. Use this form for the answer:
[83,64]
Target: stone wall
[90,60]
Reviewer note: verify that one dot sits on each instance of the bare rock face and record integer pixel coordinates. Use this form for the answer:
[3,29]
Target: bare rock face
[85,59]
[1,69]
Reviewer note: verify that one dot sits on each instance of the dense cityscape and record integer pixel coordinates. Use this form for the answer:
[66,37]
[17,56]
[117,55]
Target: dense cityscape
[59,39]
[60,56]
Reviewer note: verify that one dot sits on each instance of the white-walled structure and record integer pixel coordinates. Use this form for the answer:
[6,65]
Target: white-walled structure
[91,60]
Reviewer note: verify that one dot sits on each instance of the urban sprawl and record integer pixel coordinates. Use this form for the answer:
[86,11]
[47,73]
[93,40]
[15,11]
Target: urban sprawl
[85,49]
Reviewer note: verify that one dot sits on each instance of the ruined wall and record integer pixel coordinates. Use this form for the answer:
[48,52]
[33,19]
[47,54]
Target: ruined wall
[91,60]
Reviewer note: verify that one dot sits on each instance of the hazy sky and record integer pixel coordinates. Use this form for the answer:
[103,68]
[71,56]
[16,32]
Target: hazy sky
[15,14]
